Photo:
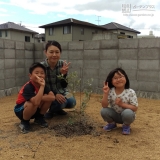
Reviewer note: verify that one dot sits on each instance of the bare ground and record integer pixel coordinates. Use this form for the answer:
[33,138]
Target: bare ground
[87,142]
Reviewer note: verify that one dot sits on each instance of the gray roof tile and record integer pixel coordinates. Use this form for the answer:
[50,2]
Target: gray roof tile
[115,26]
[71,21]
[13,26]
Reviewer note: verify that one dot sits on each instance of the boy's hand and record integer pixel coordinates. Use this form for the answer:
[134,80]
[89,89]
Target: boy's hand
[65,67]
[106,89]
[40,81]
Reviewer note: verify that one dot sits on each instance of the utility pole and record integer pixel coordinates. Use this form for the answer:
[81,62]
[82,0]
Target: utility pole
[98,19]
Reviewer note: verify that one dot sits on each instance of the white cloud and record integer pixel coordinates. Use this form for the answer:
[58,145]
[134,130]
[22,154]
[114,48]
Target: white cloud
[61,15]
[3,10]
[34,27]
[44,7]
[4,15]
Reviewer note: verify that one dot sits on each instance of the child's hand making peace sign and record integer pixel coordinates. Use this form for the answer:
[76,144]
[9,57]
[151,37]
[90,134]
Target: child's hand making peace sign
[40,81]
[106,89]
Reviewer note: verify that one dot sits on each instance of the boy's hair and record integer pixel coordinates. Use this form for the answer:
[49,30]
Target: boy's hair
[54,43]
[35,65]
[111,74]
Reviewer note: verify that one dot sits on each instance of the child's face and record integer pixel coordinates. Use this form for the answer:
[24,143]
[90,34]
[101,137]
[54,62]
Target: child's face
[53,54]
[119,80]
[38,71]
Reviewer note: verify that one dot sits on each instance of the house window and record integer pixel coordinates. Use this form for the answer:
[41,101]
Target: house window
[6,33]
[0,33]
[43,38]
[32,35]
[27,39]
[82,31]
[66,29]
[50,31]
[129,36]
[122,33]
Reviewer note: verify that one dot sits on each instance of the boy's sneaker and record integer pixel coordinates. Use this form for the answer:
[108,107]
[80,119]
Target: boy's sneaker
[48,115]
[125,129]
[110,126]
[41,122]
[25,126]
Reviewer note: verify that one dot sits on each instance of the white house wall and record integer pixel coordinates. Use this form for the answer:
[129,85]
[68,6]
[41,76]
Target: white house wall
[20,36]
[3,34]
[58,35]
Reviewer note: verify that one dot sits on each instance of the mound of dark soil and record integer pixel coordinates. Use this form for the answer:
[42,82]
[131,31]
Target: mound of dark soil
[74,129]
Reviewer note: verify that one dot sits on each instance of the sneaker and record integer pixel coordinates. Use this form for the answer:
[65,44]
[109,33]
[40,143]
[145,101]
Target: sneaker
[61,112]
[48,115]
[41,122]
[110,126]
[125,129]
[25,126]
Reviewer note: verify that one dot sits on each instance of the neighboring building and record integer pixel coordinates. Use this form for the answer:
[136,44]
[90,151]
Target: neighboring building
[40,38]
[147,36]
[104,35]
[120,30]
[16,32]
[71,30]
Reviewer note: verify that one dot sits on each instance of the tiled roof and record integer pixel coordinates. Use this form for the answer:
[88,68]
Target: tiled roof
[71,21]
[115,26]
[13,26]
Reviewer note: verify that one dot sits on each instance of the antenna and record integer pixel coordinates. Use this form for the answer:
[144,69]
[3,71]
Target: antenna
[98,19]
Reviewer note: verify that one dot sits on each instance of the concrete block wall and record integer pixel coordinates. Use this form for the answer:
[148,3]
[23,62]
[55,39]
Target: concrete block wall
[15,59]
[140,58]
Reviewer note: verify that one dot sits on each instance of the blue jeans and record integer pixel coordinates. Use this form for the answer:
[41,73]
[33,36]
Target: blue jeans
[109,115]
[56,106]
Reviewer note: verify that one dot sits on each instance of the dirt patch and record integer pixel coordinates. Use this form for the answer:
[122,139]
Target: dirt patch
[75,129]
[81,140]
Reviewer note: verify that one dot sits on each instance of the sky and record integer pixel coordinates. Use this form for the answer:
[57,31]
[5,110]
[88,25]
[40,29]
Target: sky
[141,15]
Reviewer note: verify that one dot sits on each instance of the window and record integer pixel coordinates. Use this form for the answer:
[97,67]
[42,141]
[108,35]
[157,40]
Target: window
[122,33]
[82,31]
[66,29]
[43,38]
[0,33]
[6,33]
[129,36]
[27,39]
[50,31]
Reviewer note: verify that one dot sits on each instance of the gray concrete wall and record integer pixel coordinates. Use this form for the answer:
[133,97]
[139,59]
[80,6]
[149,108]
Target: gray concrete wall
[140,58]
[15,58]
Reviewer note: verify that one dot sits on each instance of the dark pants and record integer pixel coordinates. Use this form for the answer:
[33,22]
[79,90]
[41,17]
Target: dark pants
[56,106]
[19,113]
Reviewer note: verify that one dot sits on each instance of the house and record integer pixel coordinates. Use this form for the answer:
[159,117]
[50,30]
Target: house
[120,30]
[151,35]
[71,30]
[16,32]
[40,38]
